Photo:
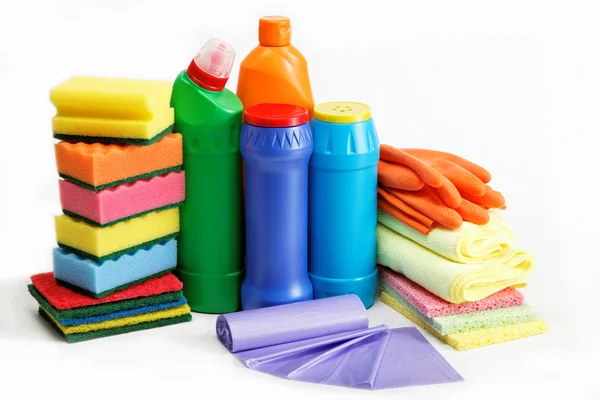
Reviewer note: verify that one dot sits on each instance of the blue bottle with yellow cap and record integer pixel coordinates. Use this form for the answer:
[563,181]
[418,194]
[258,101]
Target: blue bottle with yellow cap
[343,201]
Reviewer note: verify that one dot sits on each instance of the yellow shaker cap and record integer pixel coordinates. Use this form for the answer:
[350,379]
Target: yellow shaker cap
[342,112]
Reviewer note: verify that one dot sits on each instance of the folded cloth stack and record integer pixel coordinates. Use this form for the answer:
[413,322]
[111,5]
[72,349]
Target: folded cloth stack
[457,284]
[465,264]
[440,229]
[120,192]
[498,318]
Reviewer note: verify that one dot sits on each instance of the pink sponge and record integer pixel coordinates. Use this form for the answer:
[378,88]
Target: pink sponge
[125,201]
[432,306]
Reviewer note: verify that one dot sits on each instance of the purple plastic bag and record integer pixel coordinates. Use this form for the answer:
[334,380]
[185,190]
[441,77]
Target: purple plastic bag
[368,358]
[290,358]
[410,360]
[292,322]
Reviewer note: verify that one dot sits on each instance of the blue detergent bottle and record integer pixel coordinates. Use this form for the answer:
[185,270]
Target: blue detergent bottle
[276,143]
[343,201]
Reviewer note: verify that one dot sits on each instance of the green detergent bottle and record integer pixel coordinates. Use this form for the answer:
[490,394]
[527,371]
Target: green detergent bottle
[210,244]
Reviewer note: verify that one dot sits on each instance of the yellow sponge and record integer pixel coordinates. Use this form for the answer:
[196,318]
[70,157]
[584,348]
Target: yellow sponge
[119,322]
[112,241]
[110,110]
[472,339]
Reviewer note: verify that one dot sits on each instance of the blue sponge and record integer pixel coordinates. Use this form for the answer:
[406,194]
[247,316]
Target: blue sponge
[123,313]
[99,279]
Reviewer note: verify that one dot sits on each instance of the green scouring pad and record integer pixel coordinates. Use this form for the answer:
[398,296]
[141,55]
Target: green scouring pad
[80,337]
[113,140]
[101,309]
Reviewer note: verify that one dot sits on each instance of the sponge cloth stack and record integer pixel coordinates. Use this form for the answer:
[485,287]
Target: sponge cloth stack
[121,184]
[76,317]
[120,192]
[498,318]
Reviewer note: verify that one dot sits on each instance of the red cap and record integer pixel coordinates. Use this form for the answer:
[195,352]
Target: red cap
[204,79]
[210,68]
[270,115]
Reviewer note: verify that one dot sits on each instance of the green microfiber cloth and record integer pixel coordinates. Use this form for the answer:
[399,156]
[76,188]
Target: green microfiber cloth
[120,252]
[122,181]
[459,323]
[94,223]
[80,337]
[100,309]
[107,292]
[113,140]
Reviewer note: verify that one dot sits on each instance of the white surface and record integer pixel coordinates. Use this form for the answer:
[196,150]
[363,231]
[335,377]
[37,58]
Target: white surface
[513,85]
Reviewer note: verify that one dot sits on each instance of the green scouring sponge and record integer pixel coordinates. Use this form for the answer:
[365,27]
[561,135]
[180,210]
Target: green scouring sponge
[83,336]
[103,309]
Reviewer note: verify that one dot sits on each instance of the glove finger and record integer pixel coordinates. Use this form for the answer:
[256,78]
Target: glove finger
[426,202]
[402,217]
[449,194]
[473,213]
[398,176]
[491,198]
[462,179]
[405,208]
[475,169]
[430,175]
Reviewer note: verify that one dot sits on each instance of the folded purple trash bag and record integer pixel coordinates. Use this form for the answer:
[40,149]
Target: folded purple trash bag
[262,327]
[328,341]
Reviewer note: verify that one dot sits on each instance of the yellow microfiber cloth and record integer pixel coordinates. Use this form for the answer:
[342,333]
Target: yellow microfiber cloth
[468,264]
[469,244]
[119,322]
[101,109]
[112,241]
[472,339]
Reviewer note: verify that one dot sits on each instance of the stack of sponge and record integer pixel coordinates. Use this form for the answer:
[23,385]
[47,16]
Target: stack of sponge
[498,318]
[120,193]
[77,317]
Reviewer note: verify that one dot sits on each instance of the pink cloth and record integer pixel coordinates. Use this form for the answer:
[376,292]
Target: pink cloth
[433,306]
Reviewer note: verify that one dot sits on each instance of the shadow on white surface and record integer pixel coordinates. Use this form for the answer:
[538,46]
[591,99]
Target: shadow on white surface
[19,314]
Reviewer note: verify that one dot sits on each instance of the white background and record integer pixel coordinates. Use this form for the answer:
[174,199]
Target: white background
[512,85]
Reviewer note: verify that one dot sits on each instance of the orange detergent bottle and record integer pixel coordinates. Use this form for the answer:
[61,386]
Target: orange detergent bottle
[275,71]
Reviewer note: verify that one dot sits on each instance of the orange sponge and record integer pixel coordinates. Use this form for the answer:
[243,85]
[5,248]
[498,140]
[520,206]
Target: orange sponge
[99,166]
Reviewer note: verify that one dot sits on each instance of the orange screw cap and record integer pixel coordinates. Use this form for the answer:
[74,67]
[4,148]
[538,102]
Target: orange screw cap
[274,31]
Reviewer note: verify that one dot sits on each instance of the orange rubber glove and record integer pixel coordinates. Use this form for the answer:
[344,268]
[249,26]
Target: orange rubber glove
[398,176]
[428,203]
[457,174]
[468,177]
[400,205]
[473,213]
[426,172]
[491,199]
[402,217]
[418,186]
[406,169]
